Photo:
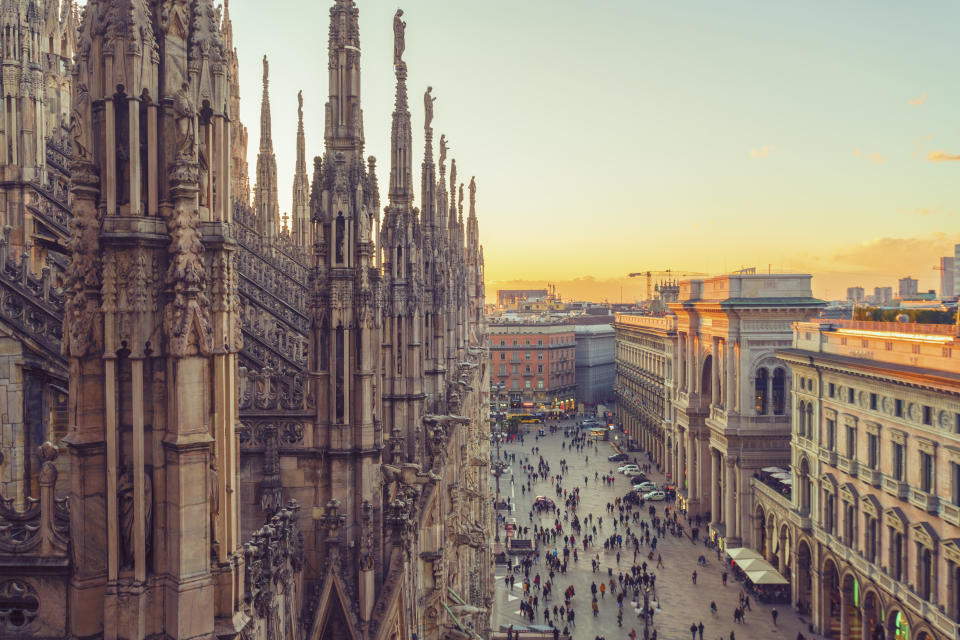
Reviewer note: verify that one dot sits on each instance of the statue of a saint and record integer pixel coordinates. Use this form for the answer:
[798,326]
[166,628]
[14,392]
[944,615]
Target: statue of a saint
[443,148]
[266,70]
[473,191]
[300,105]
[398,37]
[428,101]
[185,116]
[214,477]
[125,500]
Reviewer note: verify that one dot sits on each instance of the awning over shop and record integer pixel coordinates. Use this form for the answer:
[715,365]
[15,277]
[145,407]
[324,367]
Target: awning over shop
[752,564]
[743,553]
[766,577]
[773,470]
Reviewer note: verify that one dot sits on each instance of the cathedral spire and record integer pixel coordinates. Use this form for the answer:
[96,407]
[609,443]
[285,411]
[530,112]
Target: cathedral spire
[266,137]
[401,139]
[301,184]
[473,227]
[343,131]
[265,201]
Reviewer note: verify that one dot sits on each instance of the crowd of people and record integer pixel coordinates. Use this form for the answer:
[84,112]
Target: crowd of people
[625,536]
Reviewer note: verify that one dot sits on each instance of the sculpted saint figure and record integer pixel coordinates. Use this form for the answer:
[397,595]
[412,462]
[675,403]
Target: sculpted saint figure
[125,500]
[300,104]
[399,43]
[473,190]
[185,114]
[443,148]
[428,101]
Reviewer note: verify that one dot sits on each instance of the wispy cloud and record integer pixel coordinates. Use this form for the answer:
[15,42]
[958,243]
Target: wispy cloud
[942,156]
[874,157]
[915,102]
[762,152]
[924,211]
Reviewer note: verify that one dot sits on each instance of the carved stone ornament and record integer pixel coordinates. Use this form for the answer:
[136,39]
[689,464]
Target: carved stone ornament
[186,319]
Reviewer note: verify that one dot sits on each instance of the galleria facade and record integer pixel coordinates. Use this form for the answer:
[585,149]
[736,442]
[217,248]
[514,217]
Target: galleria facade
[215,424]
[864,418]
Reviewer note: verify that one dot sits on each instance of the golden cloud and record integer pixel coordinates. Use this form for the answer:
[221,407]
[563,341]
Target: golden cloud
[942,156]
[762,152]
[914,102]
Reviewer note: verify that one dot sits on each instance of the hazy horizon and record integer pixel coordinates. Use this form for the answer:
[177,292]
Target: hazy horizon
[813,137]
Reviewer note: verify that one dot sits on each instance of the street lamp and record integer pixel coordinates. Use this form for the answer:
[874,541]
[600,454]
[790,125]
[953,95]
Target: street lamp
[646,612]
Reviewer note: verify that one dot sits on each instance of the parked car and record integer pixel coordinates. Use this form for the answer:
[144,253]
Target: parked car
[510,524]
[627,468]
[618,457]
[590,424]
[635,478]
[543,501]
[655,495]
[646,486]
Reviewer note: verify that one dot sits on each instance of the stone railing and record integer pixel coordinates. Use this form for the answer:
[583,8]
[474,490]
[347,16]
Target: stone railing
[660,323]
[42,526]
[31,304]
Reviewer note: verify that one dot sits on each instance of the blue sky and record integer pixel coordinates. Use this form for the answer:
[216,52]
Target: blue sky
[615,136]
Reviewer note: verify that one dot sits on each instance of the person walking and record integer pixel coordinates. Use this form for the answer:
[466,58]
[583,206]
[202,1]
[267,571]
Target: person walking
[693,631]
[774,614]
[700,629]
[724,577]
[693,577]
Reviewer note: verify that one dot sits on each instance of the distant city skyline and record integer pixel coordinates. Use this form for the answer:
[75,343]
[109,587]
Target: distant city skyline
[814,137]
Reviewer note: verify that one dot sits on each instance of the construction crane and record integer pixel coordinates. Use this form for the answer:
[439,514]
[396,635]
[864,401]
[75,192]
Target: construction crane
[668,272]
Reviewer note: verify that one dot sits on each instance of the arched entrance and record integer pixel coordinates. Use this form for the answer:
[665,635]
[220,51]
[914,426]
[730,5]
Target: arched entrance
[804,578]
[898,627]
[873,617]
[830,603]
[761,532]
[851,606]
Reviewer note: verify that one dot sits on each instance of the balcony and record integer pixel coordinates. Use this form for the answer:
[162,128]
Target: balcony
[847,465]
[950,513]
[895,487]
[926,501]
[828,456]
[870,476]
[528,374]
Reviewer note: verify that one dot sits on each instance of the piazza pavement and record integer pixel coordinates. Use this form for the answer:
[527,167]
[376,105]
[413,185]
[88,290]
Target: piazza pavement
[681,603]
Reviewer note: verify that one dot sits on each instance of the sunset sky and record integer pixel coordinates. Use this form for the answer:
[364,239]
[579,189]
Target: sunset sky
[624,135]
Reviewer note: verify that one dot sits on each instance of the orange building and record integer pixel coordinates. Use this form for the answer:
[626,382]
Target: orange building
[532,364]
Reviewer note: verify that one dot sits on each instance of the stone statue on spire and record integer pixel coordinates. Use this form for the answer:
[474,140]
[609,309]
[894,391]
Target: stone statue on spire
[428,101]
[443,148]
[473,191]
[399,43]
[300,104]
[266,70]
